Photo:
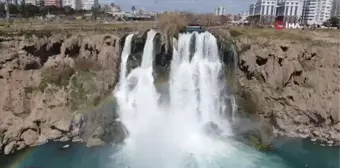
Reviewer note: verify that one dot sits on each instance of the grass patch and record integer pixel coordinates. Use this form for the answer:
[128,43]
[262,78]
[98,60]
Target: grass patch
[235,33]
[270,33]
[29,90]
[80,95]
[313,38]
[39,34]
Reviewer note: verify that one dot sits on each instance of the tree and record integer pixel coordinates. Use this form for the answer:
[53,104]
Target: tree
[31,10]
[95,11]
[133,8]
[2,9]
[334,21]
[68,10]
[13,9]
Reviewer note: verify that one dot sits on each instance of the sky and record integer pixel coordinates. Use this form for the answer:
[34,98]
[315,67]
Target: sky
[197,6]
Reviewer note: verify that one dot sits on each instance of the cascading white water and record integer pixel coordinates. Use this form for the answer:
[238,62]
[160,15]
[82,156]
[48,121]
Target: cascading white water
[125,55]
[188,132]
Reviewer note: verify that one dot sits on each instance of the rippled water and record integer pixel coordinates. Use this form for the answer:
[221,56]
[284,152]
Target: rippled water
[294,153]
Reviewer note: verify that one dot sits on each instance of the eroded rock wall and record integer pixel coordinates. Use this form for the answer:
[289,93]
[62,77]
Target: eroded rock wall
[46,83]
[292,84]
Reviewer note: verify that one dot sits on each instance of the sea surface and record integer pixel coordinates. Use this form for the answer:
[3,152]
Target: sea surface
[295,153]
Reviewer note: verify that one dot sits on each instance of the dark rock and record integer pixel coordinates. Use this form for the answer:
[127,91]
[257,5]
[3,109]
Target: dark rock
[30,136]
[101,124]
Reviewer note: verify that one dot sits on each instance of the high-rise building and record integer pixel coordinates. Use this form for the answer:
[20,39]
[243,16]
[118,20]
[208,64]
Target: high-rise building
[75,4]
[289,10]
[40,3]
[252,9]
[57,3]
[15,2]
[220,11]
[335,8]
[33,2]
[88,4]
[263,11]
[67,3]
[316,11]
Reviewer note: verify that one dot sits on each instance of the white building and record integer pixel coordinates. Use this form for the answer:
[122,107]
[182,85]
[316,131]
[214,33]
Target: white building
[336,8]
[88,4]
[33,2]
[289,10]
[263,11]
[252,9]
[220,11]
[75,4]
[265,7]
[316,11]
[15,2]
[68,3]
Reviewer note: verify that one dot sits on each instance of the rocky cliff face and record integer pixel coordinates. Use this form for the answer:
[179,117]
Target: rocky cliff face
[47,82]
[292,83]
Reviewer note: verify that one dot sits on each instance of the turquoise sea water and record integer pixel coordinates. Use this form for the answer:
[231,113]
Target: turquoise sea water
[294,153]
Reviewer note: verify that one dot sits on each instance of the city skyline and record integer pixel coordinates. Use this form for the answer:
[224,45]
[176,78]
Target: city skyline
[197,6]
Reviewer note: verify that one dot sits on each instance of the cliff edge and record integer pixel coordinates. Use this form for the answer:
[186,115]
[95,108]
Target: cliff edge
[47,82]
[291,79]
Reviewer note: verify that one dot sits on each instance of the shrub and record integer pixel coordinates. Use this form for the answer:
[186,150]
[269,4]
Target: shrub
[86,65]
[58,75]
[256,142]
[172,23]
[235,33]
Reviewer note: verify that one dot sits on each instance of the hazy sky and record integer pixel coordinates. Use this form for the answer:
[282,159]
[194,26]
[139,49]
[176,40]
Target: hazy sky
[202,6]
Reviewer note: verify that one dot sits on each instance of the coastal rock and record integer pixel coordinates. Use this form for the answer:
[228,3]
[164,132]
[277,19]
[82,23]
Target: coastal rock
[9,148]
[337,126]
[64,139]
[29,137]
[296,85]
[101,124]
[21,145]
[91,142]
[63,125]
[54,134]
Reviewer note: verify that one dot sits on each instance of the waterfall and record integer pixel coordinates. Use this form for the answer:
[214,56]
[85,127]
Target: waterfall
[191,130]
[125,55]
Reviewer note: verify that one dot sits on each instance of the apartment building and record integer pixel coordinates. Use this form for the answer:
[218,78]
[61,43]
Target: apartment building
[289,10]
[15,2]
[220,11]
[57,3]
[88,4]
[33,2]
[263,11]
[75,4]
[316,11]
[252,9]
[335,8]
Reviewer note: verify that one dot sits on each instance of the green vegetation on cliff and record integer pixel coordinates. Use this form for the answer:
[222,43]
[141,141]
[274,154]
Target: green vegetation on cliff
[58,76]
[255,142]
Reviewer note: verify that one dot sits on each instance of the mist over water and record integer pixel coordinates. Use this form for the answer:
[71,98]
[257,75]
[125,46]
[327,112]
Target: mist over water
[192,130]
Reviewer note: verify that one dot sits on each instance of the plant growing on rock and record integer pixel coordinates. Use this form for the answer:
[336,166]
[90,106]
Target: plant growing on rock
[255,142]
[57,75]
